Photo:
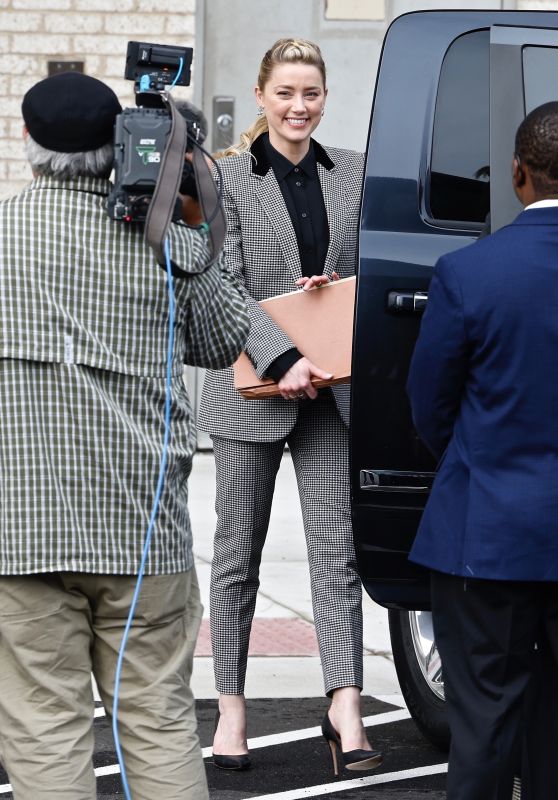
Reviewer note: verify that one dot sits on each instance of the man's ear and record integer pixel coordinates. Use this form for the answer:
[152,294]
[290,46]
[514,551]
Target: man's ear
[518,172]
[24,132]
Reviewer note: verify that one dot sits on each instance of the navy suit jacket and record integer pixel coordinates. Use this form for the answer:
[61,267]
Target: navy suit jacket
[483,385]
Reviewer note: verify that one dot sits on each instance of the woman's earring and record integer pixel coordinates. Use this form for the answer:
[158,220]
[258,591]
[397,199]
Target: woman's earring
[261,110]
[323,111]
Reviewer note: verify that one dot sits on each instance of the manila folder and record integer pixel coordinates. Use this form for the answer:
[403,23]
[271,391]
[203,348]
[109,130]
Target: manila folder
[320,323]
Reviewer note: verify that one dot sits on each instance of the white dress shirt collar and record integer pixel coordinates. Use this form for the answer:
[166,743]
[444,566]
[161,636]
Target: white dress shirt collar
[548,203]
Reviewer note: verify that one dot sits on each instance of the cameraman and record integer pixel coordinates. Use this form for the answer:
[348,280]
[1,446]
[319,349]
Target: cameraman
[84,318]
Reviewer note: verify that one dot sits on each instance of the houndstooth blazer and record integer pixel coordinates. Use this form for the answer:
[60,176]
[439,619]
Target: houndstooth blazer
[262,251]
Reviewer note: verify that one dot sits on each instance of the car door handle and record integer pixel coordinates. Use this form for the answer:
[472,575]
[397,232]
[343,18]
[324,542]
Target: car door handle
[407,302]
[387,480]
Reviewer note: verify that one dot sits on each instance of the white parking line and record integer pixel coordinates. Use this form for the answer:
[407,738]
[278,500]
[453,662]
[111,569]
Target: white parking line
[341,786]
[100,772]
[392,699]
[113,769]
[309,733]
[283,738]
[314,791]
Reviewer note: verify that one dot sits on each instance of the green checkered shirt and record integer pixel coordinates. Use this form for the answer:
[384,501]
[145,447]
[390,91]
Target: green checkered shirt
[83,340]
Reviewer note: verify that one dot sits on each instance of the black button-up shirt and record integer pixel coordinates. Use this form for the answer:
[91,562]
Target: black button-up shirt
[302,193]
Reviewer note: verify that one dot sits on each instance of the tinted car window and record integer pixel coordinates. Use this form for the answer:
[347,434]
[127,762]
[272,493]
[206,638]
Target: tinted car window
[540,76]
[459,174]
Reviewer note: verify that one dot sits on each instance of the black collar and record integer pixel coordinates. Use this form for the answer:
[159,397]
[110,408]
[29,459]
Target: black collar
[260,160]
[282,166]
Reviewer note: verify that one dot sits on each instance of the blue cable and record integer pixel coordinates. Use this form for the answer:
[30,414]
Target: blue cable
[158,492]
[145,80]
[154,511]
[178,74]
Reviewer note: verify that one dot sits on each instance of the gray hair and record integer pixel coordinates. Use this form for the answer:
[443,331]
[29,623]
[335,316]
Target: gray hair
[91,164]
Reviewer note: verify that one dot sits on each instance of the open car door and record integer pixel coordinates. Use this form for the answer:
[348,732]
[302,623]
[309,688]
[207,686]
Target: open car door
[523,75]
[452,88]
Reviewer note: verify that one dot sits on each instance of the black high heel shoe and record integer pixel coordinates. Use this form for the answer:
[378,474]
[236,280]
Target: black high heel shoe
[353,759]
[229,762]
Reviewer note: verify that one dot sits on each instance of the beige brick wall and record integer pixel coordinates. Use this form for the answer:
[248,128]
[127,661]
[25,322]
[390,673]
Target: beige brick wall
[33,32]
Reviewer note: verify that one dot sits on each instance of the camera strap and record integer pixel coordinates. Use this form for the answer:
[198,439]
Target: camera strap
[209,196]
[161,208]
[162,205]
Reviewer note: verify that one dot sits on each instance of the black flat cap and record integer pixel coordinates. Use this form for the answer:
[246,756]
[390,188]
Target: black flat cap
[70,112]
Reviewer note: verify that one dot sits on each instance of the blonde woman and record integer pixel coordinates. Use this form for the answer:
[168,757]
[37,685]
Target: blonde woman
[292,211]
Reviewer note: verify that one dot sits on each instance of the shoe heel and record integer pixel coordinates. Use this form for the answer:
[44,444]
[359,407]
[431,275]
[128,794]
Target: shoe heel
[354,759]
[333,748]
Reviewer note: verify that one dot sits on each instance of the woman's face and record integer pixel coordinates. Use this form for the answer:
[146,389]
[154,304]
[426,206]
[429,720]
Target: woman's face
[293,99]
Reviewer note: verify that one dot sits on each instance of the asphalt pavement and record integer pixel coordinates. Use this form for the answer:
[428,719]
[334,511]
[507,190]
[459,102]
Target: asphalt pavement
[290,761]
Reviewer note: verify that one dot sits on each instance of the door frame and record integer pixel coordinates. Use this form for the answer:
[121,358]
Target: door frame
[507,109]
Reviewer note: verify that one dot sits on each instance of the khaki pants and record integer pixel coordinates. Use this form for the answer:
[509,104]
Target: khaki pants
[55,629]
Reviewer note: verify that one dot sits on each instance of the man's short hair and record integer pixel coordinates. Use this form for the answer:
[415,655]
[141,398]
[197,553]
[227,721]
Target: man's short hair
[66,166]
[70,113]
[536,143]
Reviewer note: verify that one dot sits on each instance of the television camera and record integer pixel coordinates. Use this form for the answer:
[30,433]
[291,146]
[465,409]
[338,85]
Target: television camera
[141,133]
[150,144]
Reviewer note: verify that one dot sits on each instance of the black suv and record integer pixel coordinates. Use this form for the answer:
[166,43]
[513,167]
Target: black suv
[452,88]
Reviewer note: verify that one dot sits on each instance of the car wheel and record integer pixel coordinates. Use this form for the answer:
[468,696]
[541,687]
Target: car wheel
[419,671]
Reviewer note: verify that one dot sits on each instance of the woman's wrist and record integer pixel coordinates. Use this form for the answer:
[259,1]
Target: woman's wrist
[282,364]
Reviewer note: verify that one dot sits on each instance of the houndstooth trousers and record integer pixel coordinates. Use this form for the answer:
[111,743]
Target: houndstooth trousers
[246,473]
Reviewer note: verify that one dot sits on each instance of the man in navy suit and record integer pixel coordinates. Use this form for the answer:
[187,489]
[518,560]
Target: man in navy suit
[483,386]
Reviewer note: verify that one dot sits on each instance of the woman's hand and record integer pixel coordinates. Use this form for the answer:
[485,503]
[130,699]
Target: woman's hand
[315,280]
[296,383]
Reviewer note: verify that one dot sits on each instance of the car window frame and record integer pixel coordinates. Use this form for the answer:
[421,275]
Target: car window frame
[465,226]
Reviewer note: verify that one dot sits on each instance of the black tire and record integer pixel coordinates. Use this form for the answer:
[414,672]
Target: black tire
[426,709]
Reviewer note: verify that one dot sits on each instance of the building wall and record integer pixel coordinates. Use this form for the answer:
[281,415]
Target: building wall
[537,5]
[349,32]
[351,49]
[34,32]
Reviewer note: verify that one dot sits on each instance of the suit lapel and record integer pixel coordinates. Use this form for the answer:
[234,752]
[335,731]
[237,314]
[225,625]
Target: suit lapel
[272,202]
[273,205]
[336,208]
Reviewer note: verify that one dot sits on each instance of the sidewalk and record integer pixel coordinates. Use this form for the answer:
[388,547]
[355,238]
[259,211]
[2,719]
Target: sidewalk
[283,650]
